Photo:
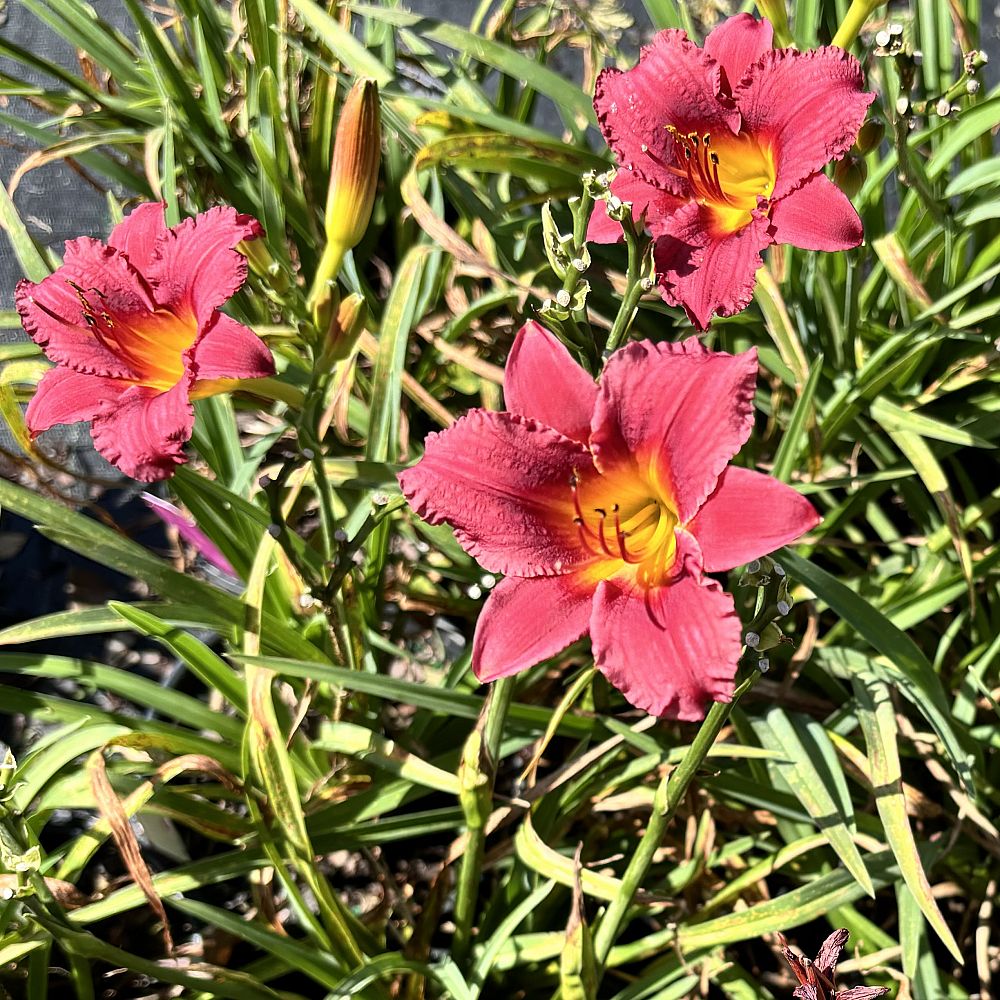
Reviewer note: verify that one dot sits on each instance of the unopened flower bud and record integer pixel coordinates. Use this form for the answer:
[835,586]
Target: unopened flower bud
[770,636]
[263,264]
[345,326]
[357,150]
[870,136]
[849,175]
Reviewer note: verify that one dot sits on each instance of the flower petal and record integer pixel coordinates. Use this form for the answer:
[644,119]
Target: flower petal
[137,233]
[194,266]
[707,271]
[808,106]
[228,349]
[503,482]
[748,516]
[671,650]
[817,216]
[143,431]
[543,381]
[737,43]
[65,396]
[188,529]
[508,637]
[94,280]
[678,411]
[674,83]
[646,199]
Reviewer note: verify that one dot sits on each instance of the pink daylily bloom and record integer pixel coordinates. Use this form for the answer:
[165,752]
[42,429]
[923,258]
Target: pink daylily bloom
[135,332]
[723,149]
[604,504]
[188,529]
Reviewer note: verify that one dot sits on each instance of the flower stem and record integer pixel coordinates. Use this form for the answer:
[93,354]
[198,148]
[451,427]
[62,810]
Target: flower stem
[775,12]
[633,291]
[668,797]
[326,273]
[854,19]
[477,773]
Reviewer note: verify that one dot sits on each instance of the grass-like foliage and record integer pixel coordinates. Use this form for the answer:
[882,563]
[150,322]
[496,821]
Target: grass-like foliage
[324,801]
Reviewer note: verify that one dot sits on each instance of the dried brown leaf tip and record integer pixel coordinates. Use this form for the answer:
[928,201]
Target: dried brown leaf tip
[817,978]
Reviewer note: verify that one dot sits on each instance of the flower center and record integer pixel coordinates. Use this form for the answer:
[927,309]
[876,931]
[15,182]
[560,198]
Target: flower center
[726,175]
[626,526]
[152,344]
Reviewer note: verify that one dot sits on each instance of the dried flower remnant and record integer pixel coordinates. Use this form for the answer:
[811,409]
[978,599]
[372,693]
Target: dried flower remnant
[135,332]
[723,149]
[605,505]
[188,529]
[817,978]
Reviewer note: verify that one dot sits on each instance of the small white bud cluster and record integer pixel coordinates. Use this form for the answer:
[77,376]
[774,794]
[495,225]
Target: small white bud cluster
[889,41]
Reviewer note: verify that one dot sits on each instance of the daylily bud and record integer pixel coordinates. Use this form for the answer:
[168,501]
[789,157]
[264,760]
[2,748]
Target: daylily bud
[354,171]
[263,264]
[849,175]
[870,135]
[343,331]
[770,636]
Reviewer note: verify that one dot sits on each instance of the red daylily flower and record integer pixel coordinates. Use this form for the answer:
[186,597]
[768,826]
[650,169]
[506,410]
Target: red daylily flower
[723,149]
[605,504]
[135,332]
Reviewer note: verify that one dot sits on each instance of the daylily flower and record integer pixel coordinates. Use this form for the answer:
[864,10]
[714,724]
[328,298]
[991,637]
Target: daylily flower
[135,332]
[605,505]
[723,149]
[817,979]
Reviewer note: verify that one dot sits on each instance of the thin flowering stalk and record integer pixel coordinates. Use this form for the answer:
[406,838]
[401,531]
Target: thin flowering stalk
[637,284]
[669,795]
[775,12]
[854,20]
[478,773]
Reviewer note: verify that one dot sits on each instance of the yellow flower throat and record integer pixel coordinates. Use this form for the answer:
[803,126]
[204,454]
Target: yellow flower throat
[726,175]
[627,524]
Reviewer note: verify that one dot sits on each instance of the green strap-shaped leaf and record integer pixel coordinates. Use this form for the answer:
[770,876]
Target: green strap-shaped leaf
[897,646]
[813,772]
[878,723]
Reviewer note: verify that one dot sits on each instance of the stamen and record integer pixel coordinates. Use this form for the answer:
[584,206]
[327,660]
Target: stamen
[620,537]
[600,532]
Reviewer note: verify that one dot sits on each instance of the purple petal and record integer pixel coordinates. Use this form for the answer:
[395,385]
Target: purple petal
[189,531]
